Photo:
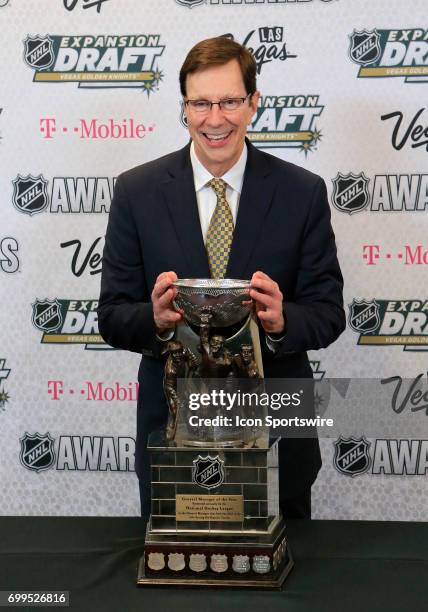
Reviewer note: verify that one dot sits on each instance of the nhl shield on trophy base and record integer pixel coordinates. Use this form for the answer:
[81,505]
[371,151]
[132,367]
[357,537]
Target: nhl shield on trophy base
[214,518]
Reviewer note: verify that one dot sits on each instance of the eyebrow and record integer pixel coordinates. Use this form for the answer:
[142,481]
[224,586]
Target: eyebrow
[224,97]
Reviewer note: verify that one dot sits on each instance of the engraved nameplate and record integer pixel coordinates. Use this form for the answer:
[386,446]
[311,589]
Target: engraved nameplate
[210,508]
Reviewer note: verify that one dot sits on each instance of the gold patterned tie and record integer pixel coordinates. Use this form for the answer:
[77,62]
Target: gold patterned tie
[220,231]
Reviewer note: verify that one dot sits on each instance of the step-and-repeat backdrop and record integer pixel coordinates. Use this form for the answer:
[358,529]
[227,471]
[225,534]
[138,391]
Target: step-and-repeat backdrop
[90,89]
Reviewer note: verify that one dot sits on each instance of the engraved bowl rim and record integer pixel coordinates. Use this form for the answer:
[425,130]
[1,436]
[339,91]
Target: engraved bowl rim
[211,283]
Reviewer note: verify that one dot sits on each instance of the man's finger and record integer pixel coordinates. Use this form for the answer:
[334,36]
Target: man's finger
[170,273]
[165,299]
[271,320]
[166,276]
[264,298]
[263,316]
[162,286]
[260,274]
[268,286]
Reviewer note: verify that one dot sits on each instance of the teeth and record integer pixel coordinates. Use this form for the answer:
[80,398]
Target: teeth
[216,136]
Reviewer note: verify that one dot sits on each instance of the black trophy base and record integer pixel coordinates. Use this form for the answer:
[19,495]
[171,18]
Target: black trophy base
[218,561]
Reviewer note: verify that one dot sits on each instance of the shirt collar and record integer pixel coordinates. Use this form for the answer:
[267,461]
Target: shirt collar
[233,177]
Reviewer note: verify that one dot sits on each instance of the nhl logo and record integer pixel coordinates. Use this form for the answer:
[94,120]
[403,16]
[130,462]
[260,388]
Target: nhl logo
[365,48]
[47,315]
[351,456]
[190,3]
[29,194]
[208,472]
[38,52]
[364,315]
[350,192]
[37,451]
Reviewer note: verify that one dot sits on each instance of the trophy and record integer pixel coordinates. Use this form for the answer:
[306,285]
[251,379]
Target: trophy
[214,518]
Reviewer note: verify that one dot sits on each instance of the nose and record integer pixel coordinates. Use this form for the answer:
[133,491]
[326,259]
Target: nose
[215,116]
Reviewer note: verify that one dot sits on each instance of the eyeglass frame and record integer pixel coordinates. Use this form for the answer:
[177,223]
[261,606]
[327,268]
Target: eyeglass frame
[220,102]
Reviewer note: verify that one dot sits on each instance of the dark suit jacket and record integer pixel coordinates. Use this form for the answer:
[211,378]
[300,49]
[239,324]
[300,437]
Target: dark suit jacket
[283,229]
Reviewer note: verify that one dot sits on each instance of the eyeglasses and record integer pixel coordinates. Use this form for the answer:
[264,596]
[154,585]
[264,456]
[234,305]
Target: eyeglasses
[204,106]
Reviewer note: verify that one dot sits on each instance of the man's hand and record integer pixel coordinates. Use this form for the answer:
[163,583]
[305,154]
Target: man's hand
[163,293]
[268,298]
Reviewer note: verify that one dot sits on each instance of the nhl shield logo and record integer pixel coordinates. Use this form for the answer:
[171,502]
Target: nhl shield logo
[30,194]
[38,52]
[365,47]
[190,3]
[364,315]
[37,451]
[351,456]
[350,192]
[47,315]
[208,472]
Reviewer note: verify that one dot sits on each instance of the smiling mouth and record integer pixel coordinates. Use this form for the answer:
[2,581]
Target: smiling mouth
[217,138]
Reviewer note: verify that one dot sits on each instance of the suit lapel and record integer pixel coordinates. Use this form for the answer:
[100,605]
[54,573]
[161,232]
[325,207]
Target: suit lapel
[179,194]
[254,204]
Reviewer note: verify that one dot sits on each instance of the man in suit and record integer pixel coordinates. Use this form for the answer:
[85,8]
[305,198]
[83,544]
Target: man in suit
[275,230]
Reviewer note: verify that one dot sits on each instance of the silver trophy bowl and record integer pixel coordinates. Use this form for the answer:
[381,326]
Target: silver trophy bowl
[218,302]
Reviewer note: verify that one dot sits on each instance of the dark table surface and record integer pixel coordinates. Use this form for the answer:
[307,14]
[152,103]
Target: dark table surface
[339,566]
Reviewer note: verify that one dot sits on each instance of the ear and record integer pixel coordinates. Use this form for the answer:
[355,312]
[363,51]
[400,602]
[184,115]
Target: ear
[254,101]
[183,110]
